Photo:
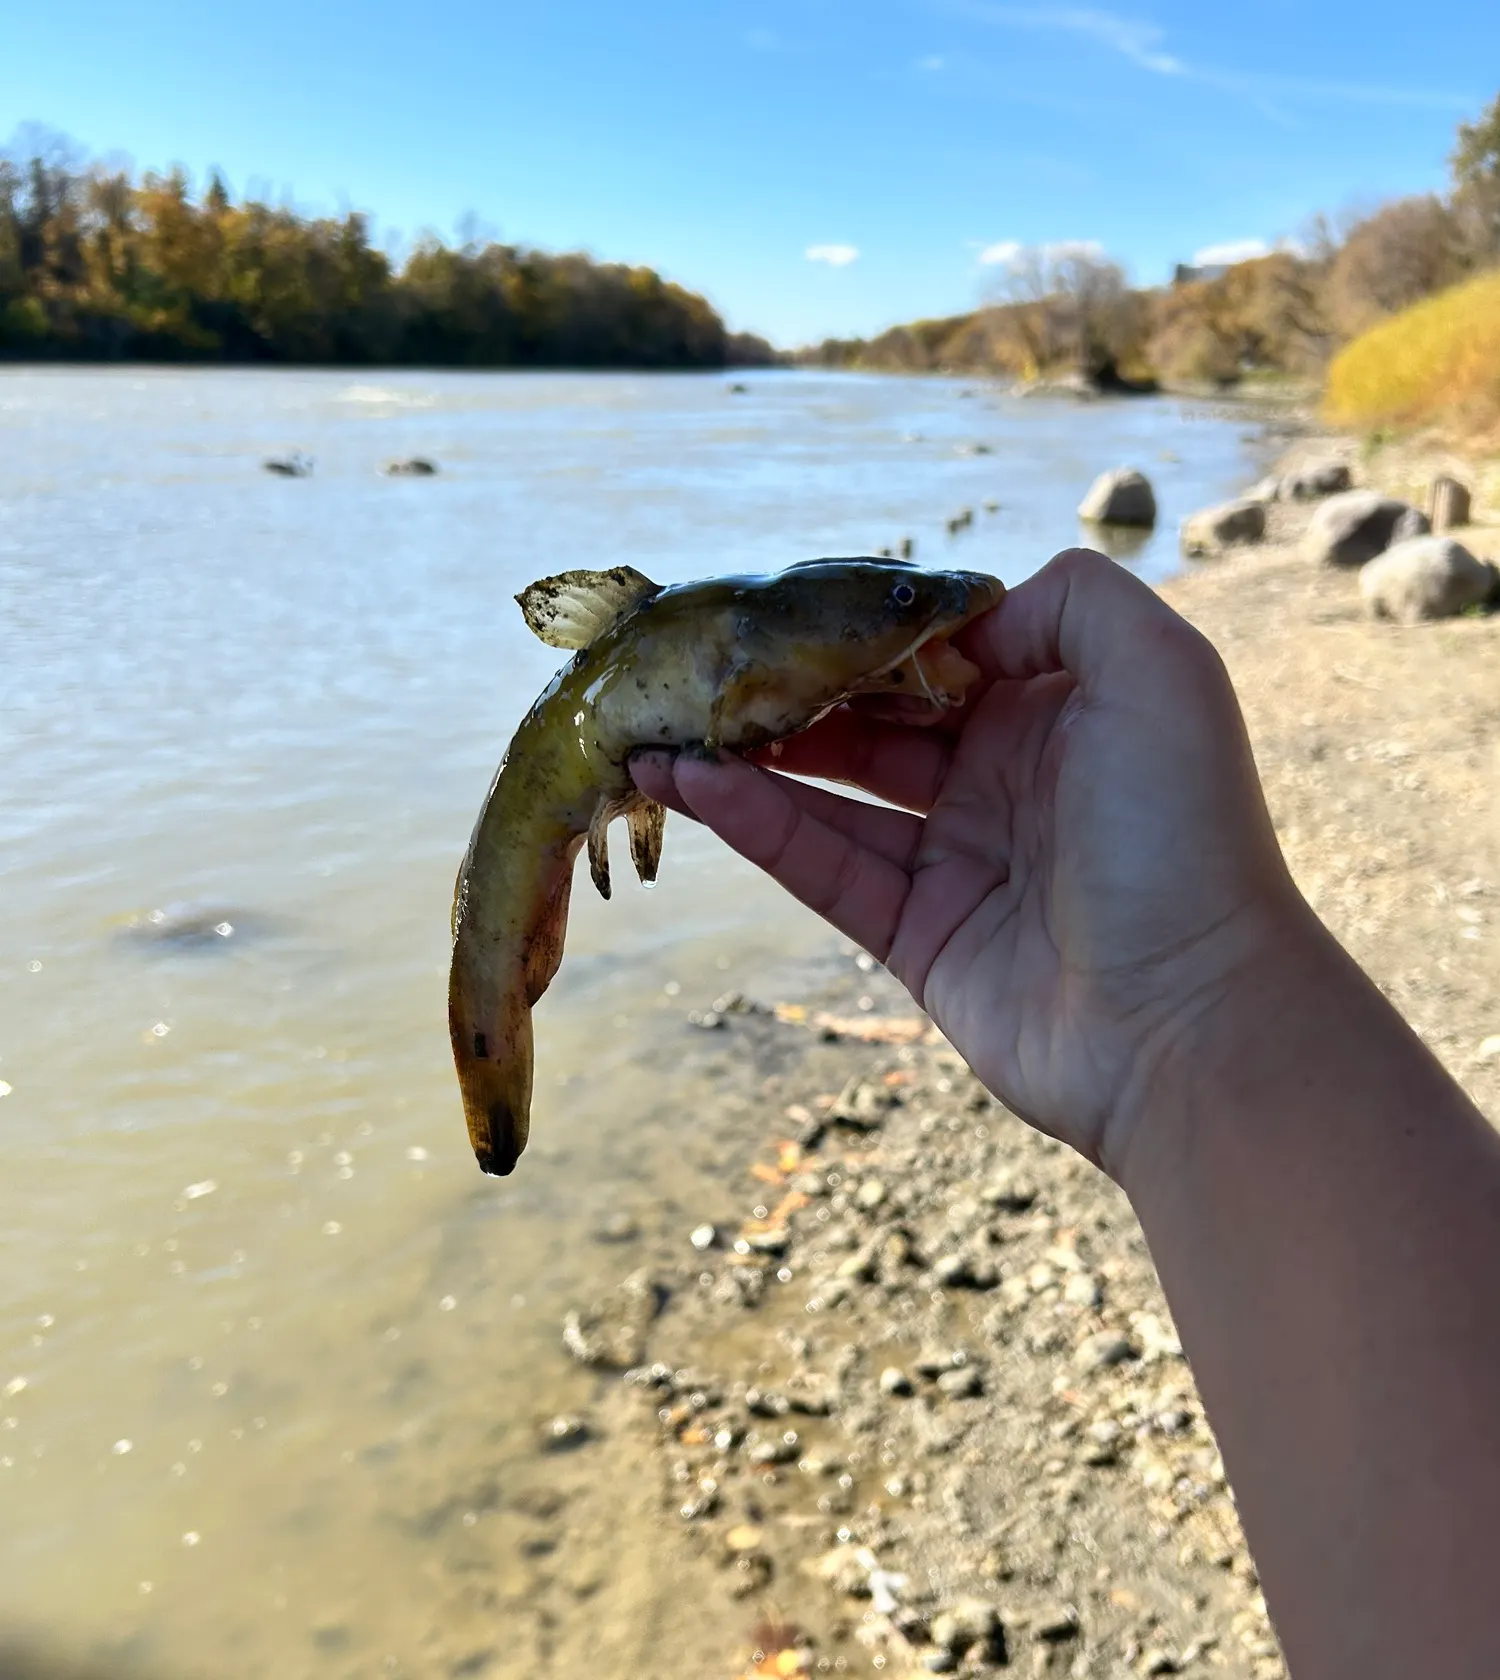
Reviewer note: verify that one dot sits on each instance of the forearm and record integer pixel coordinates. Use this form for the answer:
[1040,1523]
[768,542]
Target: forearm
[1323,1204]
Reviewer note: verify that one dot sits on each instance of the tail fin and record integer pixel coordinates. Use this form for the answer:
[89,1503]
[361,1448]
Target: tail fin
[494,1075]
[505,951]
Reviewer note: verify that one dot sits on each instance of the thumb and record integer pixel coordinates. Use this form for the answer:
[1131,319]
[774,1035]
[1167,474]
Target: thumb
[1084,614]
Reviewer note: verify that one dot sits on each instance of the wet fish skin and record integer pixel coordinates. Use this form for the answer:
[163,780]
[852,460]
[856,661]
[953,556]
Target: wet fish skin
[732,662]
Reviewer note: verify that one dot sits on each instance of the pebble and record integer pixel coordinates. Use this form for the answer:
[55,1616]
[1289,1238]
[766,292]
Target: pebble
[744,1537]
[775,1241]
[1082,1290]
[703,1237]
[965,1624]
[1056,1623]
[894,1381]
[870,1194]
[958,1271]
[1099,1352]
[775,1452]
[935,1361]
[565,1432]
[1011,1195]
[618,1228]
[1489,1048]
[962,1384]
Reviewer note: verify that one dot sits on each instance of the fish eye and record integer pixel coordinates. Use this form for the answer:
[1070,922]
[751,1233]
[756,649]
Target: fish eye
[903,594]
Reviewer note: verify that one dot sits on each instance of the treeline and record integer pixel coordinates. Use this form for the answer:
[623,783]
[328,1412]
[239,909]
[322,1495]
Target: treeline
[97,264]
[1069,311]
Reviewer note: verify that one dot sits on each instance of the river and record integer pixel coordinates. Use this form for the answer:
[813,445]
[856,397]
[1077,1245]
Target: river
[273,1354]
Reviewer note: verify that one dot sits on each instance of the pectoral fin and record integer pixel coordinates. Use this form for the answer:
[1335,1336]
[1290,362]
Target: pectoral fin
[646,820]
[571,609]
[604,813]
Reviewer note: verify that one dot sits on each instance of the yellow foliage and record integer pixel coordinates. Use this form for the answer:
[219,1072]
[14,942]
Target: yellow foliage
[1435,364]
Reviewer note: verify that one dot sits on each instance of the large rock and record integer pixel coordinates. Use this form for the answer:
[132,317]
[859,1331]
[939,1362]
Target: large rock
[1121,497]
[1214,529]
[1315,480]
[1354,527]
[1426,577]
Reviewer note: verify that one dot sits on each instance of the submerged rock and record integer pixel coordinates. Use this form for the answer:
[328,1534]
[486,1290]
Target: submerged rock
[417,467]
[192,927]
[1122,496]
[612,1332]
[1426,577]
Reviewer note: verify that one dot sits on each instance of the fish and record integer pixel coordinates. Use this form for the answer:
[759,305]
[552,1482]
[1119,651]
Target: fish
[731,663]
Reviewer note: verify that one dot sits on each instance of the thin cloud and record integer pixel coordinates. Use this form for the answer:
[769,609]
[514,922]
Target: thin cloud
[932,63]
[1144,44]
[1230,251]
[836,256]
[1007,251]
[1138,41]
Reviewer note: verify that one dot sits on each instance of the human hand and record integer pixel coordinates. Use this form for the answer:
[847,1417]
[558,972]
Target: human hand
[1083,870]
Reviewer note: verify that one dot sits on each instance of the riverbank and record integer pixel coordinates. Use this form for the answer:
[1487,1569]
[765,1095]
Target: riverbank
[911,1390]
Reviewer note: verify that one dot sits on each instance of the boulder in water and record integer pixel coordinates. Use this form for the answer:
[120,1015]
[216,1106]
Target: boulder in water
[1122,496]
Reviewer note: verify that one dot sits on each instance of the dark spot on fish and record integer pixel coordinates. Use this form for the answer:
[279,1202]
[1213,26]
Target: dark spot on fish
[898,676]
[481,1046]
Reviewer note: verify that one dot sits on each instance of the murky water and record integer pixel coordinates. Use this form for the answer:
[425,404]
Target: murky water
[272,1353]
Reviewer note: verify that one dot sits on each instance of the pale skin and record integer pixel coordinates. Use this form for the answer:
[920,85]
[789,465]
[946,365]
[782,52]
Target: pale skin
[1080,882]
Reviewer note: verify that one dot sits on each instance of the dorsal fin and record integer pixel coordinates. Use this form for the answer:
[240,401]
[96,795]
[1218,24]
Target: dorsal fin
[571,609]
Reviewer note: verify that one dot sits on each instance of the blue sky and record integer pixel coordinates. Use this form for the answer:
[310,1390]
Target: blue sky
[722,142]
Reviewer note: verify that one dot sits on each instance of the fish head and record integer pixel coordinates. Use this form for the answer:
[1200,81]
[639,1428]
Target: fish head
[866,626]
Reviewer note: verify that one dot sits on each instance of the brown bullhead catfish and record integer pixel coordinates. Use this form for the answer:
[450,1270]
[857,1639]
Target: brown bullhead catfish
[734,662]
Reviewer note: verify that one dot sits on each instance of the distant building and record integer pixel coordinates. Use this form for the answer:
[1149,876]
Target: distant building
[1185,274]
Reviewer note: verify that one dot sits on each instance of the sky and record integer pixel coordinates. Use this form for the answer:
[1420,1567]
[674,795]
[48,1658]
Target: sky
[827,167]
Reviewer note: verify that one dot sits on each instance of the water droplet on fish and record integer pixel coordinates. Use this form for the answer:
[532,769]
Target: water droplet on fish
[121,1447]
[145,1586]
[192,1537]
[331,1228]
[204,1187]
[672,988]
[448,1303]
[14,1386]
[416,1153]
[34,966]
[5,1089]
[160,1030]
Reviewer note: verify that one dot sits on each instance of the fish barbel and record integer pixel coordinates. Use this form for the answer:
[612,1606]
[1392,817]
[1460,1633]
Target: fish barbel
[734,662]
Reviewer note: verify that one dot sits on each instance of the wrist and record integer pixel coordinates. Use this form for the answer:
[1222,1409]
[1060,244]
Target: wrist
[1250,1023]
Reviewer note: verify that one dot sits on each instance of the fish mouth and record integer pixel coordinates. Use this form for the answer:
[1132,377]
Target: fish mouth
[921,690]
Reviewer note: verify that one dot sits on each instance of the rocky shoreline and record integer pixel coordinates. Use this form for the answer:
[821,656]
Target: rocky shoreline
[922,1405]
[916,1404]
